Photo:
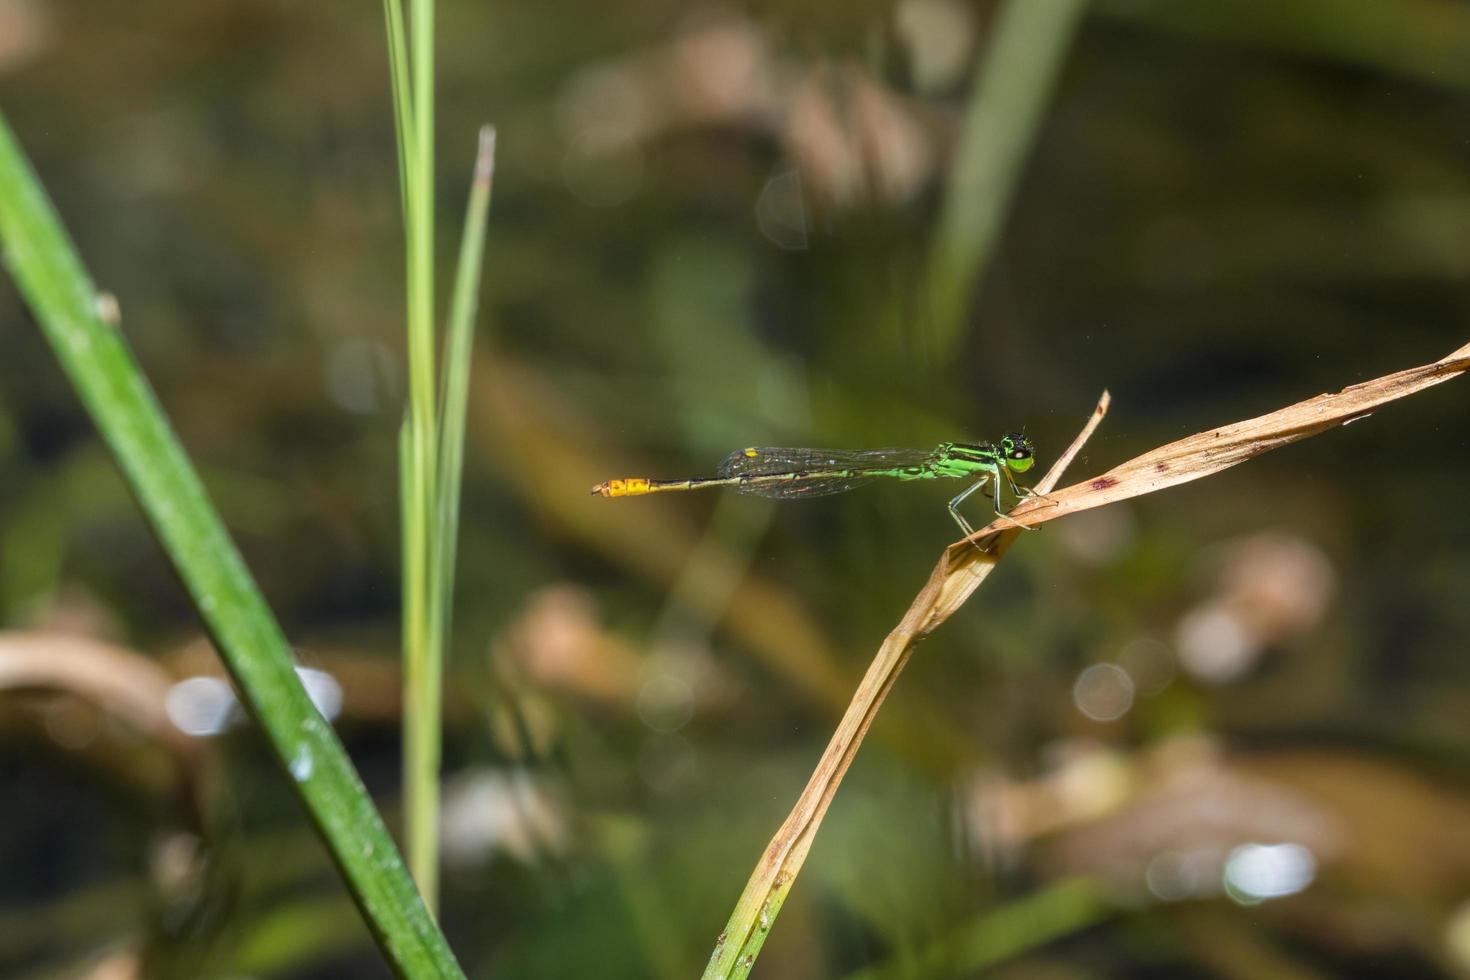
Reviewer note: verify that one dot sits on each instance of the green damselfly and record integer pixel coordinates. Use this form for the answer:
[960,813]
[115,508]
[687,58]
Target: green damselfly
[787,473]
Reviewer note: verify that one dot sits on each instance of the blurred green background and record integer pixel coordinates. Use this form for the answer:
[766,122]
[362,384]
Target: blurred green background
[1217,732]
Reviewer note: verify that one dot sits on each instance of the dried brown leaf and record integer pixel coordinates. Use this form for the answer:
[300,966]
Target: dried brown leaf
[965,564]
[1207,453]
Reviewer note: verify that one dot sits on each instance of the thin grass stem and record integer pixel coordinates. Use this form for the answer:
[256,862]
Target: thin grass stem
[456,379]
[423,651]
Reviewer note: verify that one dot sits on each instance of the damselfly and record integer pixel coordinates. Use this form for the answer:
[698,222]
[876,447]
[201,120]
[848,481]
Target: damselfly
[786,473]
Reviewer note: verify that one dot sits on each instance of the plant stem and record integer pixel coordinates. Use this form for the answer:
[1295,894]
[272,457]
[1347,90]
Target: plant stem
[101,366]
[423,643]
[456,379]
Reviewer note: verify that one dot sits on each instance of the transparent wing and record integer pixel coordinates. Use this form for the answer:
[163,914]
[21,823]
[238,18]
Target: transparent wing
[812,487]
[820,472]
[770,460]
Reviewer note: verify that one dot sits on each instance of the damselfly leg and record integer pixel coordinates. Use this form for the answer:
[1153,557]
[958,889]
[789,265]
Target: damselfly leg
[959,498]
[1000,515]
[1024,493]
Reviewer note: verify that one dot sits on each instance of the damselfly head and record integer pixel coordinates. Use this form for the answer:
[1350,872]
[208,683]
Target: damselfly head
[1018,452]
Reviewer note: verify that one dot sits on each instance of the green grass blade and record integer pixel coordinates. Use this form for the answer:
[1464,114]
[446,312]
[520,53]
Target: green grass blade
[100,365]
[456,377]
[423,653]
[402,99]
[1024,55]
[1001,933]
[421,695]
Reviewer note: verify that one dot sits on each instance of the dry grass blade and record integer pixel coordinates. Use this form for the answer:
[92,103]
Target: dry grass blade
[965,564]
[960,570]
[1209,452]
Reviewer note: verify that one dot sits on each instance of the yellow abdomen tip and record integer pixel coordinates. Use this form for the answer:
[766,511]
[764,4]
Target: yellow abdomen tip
[622,488]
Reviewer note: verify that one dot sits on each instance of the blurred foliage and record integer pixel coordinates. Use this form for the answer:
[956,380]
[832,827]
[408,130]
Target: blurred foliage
[711,228]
